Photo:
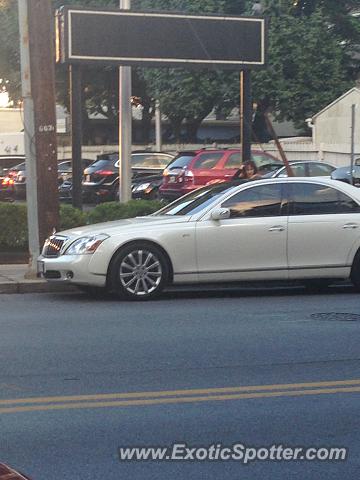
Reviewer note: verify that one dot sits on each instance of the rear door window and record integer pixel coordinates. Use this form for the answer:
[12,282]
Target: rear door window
[318,170]
[299,170]
[234,160]
[312,199]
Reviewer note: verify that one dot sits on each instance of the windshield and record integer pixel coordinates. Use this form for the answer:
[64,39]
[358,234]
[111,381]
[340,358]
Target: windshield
[197,200]
[181,161]
[102,163]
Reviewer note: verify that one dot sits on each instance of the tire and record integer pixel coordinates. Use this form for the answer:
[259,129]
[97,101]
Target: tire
[355,272]
[139,271]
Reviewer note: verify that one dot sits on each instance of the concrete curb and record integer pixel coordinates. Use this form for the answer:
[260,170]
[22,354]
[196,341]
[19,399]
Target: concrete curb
[35,286]
[13,280]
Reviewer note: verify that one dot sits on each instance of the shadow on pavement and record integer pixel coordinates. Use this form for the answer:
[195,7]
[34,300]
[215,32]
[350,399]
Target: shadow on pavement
[211,291]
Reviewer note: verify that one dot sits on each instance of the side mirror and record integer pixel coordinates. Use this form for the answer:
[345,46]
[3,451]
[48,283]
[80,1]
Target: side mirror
[220,214]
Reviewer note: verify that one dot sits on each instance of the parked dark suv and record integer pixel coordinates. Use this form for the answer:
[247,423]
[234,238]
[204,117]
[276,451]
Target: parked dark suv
[194,169]
[101,179]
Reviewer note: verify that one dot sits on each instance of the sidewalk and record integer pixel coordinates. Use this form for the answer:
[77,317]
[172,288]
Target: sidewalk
[12,280]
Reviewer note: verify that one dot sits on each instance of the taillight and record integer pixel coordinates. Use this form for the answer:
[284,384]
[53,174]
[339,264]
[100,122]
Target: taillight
[104,173]
[7,181]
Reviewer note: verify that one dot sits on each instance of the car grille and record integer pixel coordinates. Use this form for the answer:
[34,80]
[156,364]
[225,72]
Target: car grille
[53,245]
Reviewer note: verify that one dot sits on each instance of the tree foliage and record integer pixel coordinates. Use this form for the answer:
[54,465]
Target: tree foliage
[9,51]
[312,60]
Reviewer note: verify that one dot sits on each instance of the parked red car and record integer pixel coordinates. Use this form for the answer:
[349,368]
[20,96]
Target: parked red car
[193,169]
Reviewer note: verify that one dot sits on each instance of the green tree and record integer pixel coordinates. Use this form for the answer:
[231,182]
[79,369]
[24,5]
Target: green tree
[312,59]
[9,51]
[307,68]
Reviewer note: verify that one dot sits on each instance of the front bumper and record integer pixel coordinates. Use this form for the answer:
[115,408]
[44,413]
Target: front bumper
[173,194]
[7,193]
[74,269]
[95,193]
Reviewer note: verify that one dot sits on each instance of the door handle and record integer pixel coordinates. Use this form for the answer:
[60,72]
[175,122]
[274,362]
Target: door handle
[277,228]
[351,225]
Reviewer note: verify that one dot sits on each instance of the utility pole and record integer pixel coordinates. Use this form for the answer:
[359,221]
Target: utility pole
[125,124]
[352,161]
[245,114]
[38,89]
[76,133]
[269,124]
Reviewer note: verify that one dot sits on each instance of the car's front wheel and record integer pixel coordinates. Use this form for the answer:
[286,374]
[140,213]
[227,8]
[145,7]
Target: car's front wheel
[139,272]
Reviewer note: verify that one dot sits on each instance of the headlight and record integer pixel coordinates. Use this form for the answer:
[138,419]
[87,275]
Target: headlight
[86,245]
[141,187]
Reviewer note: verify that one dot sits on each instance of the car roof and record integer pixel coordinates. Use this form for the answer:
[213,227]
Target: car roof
[318,180]
[311,161]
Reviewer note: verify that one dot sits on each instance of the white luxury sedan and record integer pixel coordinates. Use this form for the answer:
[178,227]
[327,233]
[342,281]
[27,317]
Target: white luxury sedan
[276,229]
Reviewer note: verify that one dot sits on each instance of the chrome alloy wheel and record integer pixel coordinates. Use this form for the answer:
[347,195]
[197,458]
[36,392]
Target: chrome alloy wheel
[140,272]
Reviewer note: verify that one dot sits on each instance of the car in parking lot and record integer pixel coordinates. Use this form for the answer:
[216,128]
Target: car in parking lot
[304,168]
[193,169]
[13,171]
[7,191]
[101,179]
[298,229]
[9,162]
[9,166]
[64,173]
[344,175]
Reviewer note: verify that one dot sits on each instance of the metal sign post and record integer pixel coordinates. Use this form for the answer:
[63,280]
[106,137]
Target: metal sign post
[76,134]
[125,127]
[245,114]
[352,161]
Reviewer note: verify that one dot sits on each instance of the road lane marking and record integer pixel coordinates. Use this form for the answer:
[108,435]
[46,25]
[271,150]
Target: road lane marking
[171,393]
[177,396]
[177,400]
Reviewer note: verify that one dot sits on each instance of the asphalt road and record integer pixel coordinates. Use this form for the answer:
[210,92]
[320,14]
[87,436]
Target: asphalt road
[81,377]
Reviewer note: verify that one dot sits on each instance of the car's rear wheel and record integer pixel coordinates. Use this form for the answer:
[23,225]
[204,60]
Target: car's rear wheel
[355,272]
[139,272]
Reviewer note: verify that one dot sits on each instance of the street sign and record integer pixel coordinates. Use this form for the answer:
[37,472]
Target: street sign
[121,37]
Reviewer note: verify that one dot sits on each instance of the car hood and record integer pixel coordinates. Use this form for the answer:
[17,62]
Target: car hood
[115,227]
